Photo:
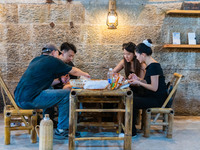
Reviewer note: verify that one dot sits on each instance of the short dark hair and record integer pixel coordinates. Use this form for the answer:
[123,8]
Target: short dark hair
[143,48]
[68,46]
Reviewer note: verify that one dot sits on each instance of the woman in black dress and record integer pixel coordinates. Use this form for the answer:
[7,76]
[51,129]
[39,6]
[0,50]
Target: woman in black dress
[155,89]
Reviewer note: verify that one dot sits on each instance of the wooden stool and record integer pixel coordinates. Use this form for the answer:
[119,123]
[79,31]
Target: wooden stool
[12,116]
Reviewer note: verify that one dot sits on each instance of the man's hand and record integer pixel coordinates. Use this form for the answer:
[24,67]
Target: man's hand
[87,75]
[65,79]
[67,87]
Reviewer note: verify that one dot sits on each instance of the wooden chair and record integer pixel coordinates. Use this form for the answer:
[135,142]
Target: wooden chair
[168,113]
[23,119]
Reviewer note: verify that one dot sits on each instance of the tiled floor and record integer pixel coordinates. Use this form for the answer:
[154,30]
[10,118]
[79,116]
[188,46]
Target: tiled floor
[186,136]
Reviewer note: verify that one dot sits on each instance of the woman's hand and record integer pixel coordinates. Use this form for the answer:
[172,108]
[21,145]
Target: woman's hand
[133,76]
[134,82]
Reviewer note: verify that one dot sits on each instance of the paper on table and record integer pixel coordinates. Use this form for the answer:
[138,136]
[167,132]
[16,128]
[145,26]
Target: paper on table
[96,84]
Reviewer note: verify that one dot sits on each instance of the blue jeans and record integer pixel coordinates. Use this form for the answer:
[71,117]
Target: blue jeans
[49,98]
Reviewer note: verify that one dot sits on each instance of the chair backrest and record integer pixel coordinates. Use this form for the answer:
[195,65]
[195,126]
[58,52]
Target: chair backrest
[6,90]
[10,97]
[172,87]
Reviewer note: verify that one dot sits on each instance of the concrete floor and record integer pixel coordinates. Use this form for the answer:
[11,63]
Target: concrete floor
[186,136]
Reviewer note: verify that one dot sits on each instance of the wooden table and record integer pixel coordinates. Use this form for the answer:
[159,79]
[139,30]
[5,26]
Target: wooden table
[123,96]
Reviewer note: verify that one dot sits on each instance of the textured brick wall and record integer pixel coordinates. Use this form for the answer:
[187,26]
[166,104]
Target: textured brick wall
[25,29]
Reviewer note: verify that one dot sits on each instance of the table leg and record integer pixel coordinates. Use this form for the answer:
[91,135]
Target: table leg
[119,116]
[72,122]
[128,121]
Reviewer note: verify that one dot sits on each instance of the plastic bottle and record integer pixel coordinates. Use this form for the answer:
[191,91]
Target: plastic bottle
[110,75]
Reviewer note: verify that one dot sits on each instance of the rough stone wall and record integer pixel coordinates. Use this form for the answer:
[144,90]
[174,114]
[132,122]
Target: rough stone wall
[25,29]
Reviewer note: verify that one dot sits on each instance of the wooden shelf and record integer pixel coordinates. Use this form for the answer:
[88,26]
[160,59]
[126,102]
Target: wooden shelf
[180,46]
[186,12]
[183,12]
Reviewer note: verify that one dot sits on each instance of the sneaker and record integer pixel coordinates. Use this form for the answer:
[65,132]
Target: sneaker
[77,134]
[64,134]
[134,134]
[61,135]
[121,135]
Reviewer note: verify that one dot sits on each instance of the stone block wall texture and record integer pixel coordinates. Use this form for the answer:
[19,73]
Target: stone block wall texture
[25,29]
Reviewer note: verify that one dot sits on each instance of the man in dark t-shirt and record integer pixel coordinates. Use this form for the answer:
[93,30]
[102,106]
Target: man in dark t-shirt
[67,52]
[33,90]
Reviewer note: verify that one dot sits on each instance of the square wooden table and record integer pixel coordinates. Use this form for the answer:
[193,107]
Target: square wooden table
[124,96]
